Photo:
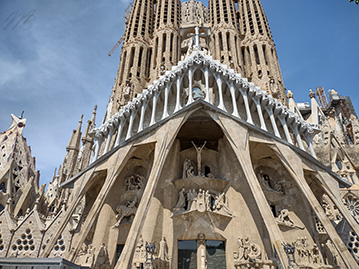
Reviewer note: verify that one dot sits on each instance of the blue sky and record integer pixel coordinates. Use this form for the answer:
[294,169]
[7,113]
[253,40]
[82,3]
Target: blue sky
[54,63]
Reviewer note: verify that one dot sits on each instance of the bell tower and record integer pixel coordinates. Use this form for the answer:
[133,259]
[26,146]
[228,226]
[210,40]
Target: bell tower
[166,39]
[225,44]
[258,51]
[133,76]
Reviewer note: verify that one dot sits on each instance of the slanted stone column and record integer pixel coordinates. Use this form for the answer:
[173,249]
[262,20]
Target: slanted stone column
[238,139]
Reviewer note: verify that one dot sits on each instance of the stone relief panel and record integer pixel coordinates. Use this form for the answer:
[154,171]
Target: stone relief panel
[126,210]
[306,255]
[331,210]
[202,201]
[249,255]
[284,219]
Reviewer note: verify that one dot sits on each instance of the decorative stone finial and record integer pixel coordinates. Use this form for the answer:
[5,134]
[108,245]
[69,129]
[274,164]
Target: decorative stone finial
[333,92]
[8,202]
[63,205]
[290,94]
[36,204]
[311,94]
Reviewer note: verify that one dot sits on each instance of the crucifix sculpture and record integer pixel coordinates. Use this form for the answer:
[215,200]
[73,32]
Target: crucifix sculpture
[199,156]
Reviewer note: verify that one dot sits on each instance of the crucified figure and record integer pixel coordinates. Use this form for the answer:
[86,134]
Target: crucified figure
[199,157]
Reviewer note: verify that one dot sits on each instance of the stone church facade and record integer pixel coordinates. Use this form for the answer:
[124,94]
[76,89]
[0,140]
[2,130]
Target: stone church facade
[203,160]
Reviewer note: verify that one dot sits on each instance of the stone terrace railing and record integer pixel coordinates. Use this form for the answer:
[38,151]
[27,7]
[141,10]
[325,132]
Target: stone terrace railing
[221,87]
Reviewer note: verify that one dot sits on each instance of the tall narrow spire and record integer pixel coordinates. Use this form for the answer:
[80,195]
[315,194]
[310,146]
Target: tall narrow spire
[258,51]
[225,35]
[166,41]
[84,156]
[133,75]
[73,149]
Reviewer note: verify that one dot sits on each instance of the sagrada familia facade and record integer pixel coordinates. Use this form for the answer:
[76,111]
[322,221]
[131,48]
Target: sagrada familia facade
[202,161]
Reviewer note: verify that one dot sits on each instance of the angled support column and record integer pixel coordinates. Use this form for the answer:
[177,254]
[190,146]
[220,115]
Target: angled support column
[99,139]
[165,106]
[234,102]
[285,128]
[130,124]
[246,104]
[154,104]
[238,139]
[206,77]
[220,92]
[178,94]
[119,131]
[142,117]
[293,164]
[190,86]
[122,156]
[163,146]
[109,137]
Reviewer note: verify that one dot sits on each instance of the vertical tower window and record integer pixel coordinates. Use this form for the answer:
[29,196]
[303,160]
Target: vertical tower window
[265,54]
[256,54]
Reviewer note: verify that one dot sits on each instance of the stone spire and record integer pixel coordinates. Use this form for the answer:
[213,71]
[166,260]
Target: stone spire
[225,35]
[73,148]
[133,75]
[258,51]
[84,156]
[166,36]
[18,175]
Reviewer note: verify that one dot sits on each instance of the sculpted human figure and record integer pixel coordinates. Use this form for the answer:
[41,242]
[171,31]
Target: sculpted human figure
[181,199]
[316,254]
[207,198]
[284,218]
[163,253]
[102,260]
[126,210]
[191,198]
[246,248]
[199,157]
[220,203]
[188,171]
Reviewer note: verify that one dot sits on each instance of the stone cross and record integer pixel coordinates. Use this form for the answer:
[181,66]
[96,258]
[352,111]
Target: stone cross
[197,43]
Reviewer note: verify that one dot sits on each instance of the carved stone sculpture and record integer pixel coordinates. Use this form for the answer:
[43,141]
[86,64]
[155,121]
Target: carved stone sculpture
[285,220]
[163,253]
[199,157]
[127,210]
[102,259]
[181,200]
[247,251]
[140,250]
[188,170]
[270,186]
[220,203]
[134,183]
[331,210]
[306,255]
[201,201]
